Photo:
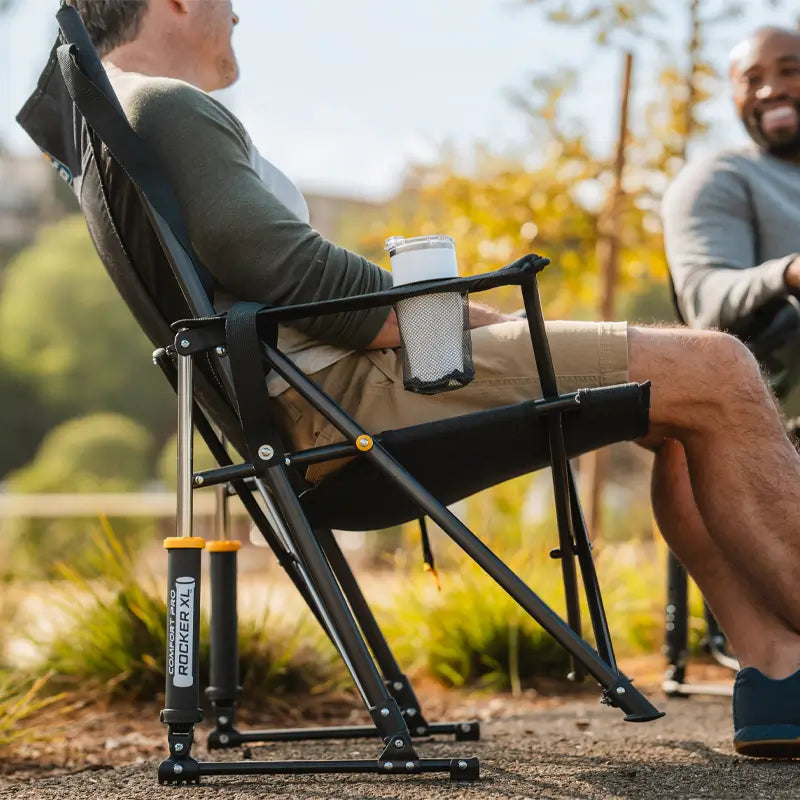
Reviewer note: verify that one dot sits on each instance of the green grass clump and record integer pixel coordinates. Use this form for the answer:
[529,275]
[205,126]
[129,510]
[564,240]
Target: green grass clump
[23,701]
[473,634]
[115,638]
[276,660]
[115,632]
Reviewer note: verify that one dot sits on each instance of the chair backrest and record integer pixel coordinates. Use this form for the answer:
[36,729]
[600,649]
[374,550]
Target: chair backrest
[132,215]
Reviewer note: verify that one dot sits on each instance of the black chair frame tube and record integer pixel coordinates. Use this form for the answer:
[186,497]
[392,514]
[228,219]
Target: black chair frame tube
[396,682]
[676,638]
[559,462]
[602,634]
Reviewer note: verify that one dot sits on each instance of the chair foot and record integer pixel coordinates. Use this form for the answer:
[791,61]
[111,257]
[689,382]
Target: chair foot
[220,739]
[176,772]
[179,771]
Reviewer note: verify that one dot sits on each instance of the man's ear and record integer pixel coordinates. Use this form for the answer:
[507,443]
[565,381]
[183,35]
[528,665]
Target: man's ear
[178,6]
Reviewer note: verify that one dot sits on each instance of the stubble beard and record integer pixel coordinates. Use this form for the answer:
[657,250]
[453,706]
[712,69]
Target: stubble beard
[785,147]
[228,69]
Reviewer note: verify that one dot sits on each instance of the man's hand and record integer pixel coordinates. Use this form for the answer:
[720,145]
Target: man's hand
[479,316]
[792,275]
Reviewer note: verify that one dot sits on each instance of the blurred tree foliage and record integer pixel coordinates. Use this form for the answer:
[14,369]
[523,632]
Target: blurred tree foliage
[553,202]
[69,346]
[499,208]
[25,418]
[95,453]
[688,73]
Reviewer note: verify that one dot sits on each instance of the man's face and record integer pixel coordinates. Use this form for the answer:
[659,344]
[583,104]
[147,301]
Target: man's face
[765,73]
[212,26]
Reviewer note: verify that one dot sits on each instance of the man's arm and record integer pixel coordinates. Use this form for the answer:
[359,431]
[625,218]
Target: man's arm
[254,246]
[480,315]
[711,248]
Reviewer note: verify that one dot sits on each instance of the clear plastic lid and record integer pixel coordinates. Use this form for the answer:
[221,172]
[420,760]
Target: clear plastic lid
[399,244]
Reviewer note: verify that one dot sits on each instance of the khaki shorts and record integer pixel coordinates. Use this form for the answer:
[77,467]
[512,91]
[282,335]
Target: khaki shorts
[369,385]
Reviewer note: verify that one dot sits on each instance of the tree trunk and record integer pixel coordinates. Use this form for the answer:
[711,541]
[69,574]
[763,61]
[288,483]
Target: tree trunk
[608,255]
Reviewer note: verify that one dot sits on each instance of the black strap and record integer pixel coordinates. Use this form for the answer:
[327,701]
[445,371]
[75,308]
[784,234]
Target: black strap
[246,359]
[130,152]
[427,552]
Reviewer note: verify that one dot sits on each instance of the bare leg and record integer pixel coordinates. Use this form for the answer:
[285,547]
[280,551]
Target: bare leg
[745,474]
[759,637]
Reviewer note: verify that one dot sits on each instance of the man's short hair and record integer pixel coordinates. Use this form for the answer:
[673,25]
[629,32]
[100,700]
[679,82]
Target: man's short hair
[111,23]
[742,47]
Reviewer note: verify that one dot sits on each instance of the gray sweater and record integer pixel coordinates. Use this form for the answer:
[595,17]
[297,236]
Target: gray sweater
[732,226]
[248,223]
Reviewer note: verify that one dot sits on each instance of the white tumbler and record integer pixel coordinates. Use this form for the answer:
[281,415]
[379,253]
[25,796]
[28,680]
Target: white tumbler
[434,328]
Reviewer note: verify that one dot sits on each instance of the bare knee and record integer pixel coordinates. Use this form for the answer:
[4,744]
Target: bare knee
[699,378]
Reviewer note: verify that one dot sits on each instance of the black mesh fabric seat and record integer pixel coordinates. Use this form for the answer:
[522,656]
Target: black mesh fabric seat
[458,457]
[218,363]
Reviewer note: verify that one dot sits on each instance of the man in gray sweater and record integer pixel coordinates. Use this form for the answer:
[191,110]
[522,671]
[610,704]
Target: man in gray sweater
[732,221]
[721,452]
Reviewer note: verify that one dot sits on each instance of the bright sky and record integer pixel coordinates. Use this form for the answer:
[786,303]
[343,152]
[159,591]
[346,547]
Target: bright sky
[342,94]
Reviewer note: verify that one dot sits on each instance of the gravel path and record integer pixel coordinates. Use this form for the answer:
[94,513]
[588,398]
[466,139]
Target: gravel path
[536,749]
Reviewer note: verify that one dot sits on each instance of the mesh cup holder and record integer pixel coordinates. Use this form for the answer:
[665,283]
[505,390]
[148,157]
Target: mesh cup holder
[436,342]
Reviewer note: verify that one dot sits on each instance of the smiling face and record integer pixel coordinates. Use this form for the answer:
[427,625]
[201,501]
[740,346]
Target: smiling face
[765,73]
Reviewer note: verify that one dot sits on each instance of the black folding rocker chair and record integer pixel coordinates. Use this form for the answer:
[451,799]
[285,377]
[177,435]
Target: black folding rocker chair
[217,364]
[773,327]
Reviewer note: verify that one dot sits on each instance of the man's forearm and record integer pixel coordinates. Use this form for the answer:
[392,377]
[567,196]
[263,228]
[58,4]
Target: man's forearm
[480,315]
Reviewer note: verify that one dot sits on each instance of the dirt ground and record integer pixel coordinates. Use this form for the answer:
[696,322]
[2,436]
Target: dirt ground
[534,746]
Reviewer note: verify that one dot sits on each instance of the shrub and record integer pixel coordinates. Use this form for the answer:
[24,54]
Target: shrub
[65,330]
[116,638]
[22,703]
[473,634]
[95,453]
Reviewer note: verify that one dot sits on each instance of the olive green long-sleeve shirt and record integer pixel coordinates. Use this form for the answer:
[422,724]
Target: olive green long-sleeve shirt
[247,221]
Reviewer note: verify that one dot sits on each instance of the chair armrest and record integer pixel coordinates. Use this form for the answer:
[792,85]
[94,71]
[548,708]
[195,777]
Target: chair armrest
[513,274]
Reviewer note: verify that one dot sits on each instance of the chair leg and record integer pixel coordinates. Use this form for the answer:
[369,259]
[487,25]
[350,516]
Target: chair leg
[224,689]
[396,681]
[676,638]
[565,497]
[591,585]
[676,630]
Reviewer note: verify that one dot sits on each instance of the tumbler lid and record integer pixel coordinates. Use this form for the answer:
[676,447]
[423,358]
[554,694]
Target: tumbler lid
[399,244]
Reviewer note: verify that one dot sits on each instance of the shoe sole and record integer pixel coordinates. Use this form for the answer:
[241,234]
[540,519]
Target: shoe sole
[768,741]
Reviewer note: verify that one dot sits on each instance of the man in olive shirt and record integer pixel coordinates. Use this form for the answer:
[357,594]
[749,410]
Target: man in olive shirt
[713,447]
[732,221]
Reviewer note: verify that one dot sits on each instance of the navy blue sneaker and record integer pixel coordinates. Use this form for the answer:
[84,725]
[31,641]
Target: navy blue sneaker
[766,715]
